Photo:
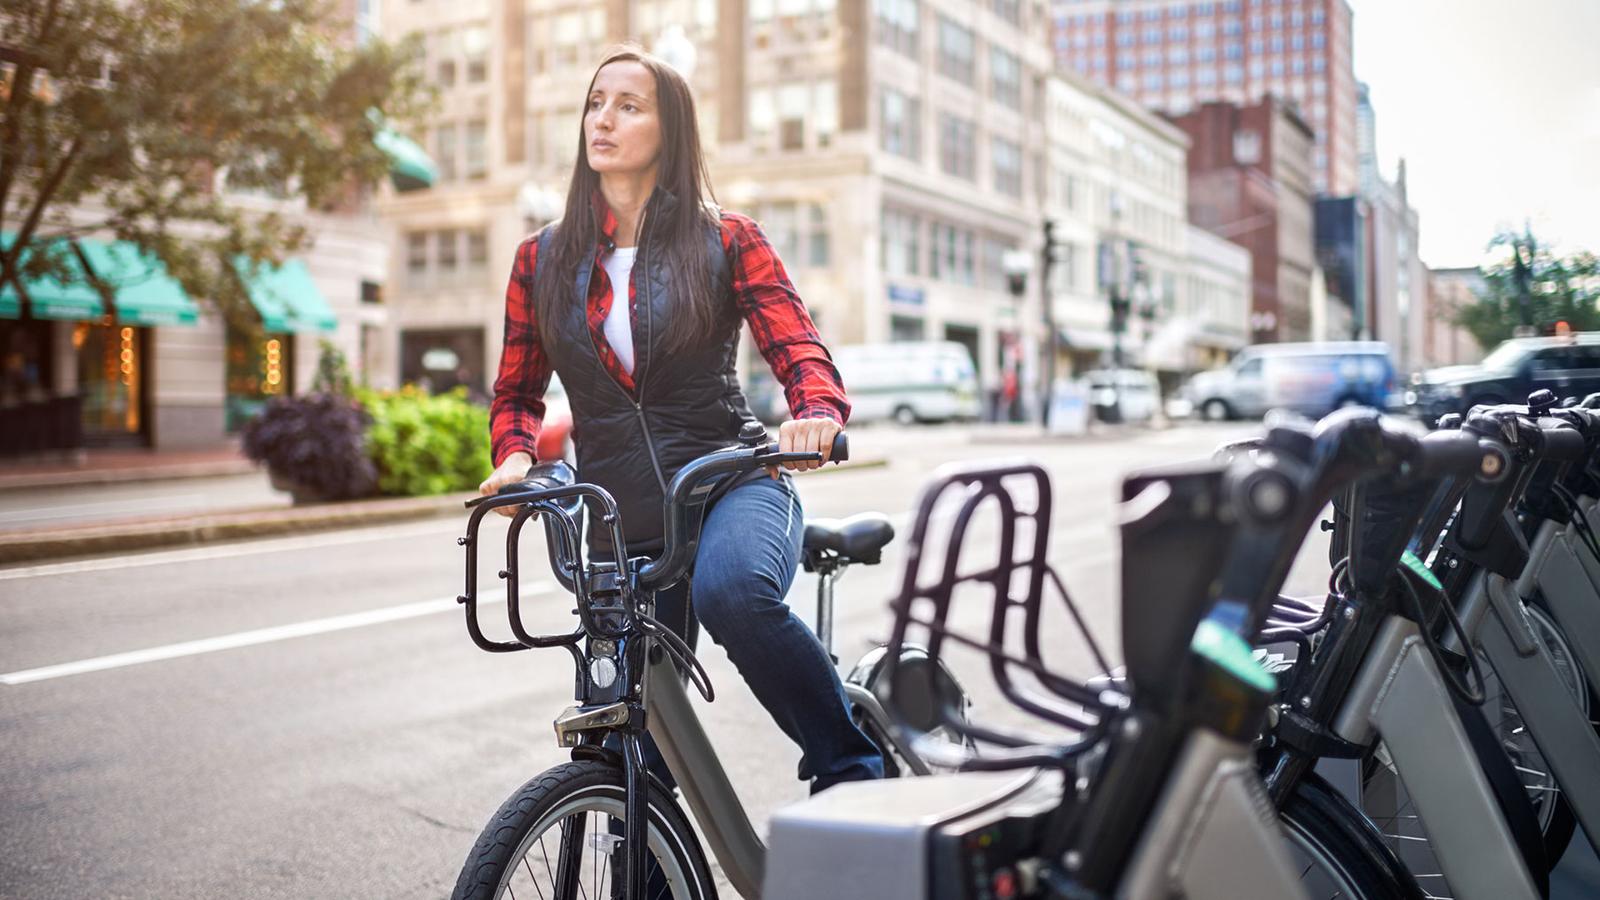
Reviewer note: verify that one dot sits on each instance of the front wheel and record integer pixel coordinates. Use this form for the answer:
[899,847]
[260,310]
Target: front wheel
[1338,852]
[560,836]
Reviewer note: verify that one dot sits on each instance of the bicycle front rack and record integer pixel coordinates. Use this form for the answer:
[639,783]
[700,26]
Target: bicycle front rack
[1017,580]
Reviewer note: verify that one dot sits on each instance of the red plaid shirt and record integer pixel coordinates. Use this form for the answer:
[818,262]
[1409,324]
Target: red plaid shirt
[762,292]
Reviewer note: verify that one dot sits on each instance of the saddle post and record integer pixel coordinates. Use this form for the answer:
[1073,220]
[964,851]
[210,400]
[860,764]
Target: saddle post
[826,573]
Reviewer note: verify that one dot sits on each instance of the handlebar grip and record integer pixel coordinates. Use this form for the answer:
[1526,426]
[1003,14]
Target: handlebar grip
[1458,453]
[841,448]
[1591,402]
[1562,442]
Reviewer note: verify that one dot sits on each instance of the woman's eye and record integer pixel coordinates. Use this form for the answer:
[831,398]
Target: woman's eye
[629,107]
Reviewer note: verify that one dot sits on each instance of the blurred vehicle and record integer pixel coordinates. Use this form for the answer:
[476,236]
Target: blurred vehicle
[913,381]
[555,435]
[1311,379]
[1569,366]
[1123,395]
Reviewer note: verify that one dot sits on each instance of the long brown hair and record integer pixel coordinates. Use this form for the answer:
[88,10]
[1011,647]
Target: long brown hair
[680,233]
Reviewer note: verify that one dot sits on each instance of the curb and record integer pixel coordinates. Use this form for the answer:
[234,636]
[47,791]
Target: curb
[148,534]
[184,530]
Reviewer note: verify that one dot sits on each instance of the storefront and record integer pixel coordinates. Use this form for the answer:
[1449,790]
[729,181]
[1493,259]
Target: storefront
[77,354]
[260,364]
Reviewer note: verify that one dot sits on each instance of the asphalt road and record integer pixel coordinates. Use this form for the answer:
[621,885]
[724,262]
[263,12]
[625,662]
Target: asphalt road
[306,717]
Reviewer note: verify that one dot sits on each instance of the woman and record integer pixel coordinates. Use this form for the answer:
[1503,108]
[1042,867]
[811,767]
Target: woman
[636,298]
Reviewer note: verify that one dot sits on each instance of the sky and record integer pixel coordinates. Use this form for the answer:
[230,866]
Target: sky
[1495,106]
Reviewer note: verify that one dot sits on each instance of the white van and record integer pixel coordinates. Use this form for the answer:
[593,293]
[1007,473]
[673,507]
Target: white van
[913,381]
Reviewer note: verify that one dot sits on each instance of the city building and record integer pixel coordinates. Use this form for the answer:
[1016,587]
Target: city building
[1396,277]
[1173,55]
[1340,228]
[1116,196]
[1215,316]
[1250,182]
[1444,343]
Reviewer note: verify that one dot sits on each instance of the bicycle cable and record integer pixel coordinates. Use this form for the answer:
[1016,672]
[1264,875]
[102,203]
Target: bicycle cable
[676,648]
[1457,686]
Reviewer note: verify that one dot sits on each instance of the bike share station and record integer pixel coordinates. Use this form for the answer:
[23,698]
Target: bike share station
[1463,559]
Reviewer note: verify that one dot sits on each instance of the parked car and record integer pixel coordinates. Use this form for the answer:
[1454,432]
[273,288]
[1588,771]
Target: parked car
[555,435]
[1122,395]
[914,381]
[1569,366]
[1312,379]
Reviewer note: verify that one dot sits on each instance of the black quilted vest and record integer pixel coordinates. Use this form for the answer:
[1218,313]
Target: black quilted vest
[687,402]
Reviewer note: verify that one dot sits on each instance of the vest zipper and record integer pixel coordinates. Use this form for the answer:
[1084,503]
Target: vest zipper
[641,270]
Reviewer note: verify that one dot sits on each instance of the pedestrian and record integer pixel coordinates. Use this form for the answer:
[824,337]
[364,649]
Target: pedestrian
[636,298]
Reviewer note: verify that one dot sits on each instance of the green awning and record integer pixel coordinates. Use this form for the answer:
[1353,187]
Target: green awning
[286,297]
[410,167]
[74,302]
[141,290]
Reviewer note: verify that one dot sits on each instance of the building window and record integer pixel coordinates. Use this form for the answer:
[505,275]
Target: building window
[1203,9]
[1152,59]
[1152,35]
[956,57]
[1126,39]
[477,250]
[1124,18]
[477,164]
[900,123]
[957,147]
[1233,74]
[1007,158]
[1297,42]
[1318,41]
[793,104]
[447,257]
[1319,65]
[1177,33]
[1127,60]
[475,46]
[1005,72]
[1178,56]
[1277,68]
[1205,54]
[1232,6]
[1234,51]
[1257,22]
[1298,67]
[1204,31]
[1317,17]
[1258,46]
[1152,14]
[1232,28]
[898,22]
[444,147]
[817,246]
[1205,77]
[825,110]
[416,256]
[900,244]
[1178,12]
[1009,10]
[1178,80]
[1152,81]
[1277,43]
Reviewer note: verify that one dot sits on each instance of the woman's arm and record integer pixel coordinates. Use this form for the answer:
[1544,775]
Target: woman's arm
[518,408]
[780,324]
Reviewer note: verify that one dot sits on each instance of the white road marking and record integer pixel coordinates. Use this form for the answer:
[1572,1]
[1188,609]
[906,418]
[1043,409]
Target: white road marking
[250,548]
[259,636]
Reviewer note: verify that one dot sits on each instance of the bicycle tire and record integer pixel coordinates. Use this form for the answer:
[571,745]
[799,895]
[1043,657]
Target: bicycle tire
[1510,793]
[1321,826]
[501,853]
[1561,823]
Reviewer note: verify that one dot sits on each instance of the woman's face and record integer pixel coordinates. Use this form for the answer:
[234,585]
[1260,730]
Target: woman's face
[621,124]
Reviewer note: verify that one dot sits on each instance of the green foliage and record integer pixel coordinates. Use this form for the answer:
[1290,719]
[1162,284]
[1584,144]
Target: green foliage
[333,371]
[144,105]
[1559,289]
[427,445]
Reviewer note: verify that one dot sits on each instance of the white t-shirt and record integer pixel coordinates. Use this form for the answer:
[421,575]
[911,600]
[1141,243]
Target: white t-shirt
[619,321]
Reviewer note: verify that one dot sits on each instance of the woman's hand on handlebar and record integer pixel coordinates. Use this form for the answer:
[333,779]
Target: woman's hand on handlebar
[805,436]
[512,470]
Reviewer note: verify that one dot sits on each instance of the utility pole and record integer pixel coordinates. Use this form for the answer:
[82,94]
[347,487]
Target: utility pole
[1047,258]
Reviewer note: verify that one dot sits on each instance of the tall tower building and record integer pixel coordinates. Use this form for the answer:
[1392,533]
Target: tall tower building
[1173,55]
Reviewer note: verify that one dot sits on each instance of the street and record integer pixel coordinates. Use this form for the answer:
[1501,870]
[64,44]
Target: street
[306,717]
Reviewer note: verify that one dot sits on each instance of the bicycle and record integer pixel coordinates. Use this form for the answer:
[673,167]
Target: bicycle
[611,819]
[1159,794]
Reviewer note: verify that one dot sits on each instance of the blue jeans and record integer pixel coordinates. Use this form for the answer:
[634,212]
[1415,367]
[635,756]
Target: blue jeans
[749,551]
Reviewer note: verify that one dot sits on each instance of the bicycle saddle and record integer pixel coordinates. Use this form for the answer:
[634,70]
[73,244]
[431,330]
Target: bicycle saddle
[860,538]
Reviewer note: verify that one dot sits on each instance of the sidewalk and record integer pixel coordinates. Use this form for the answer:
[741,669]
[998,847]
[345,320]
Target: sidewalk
[114,466]
[28,544]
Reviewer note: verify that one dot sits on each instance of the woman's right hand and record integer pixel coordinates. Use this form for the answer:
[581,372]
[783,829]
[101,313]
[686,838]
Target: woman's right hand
[512,470]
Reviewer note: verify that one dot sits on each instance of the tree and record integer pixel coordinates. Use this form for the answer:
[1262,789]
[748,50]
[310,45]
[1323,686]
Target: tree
[1532,286]
[120,116]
